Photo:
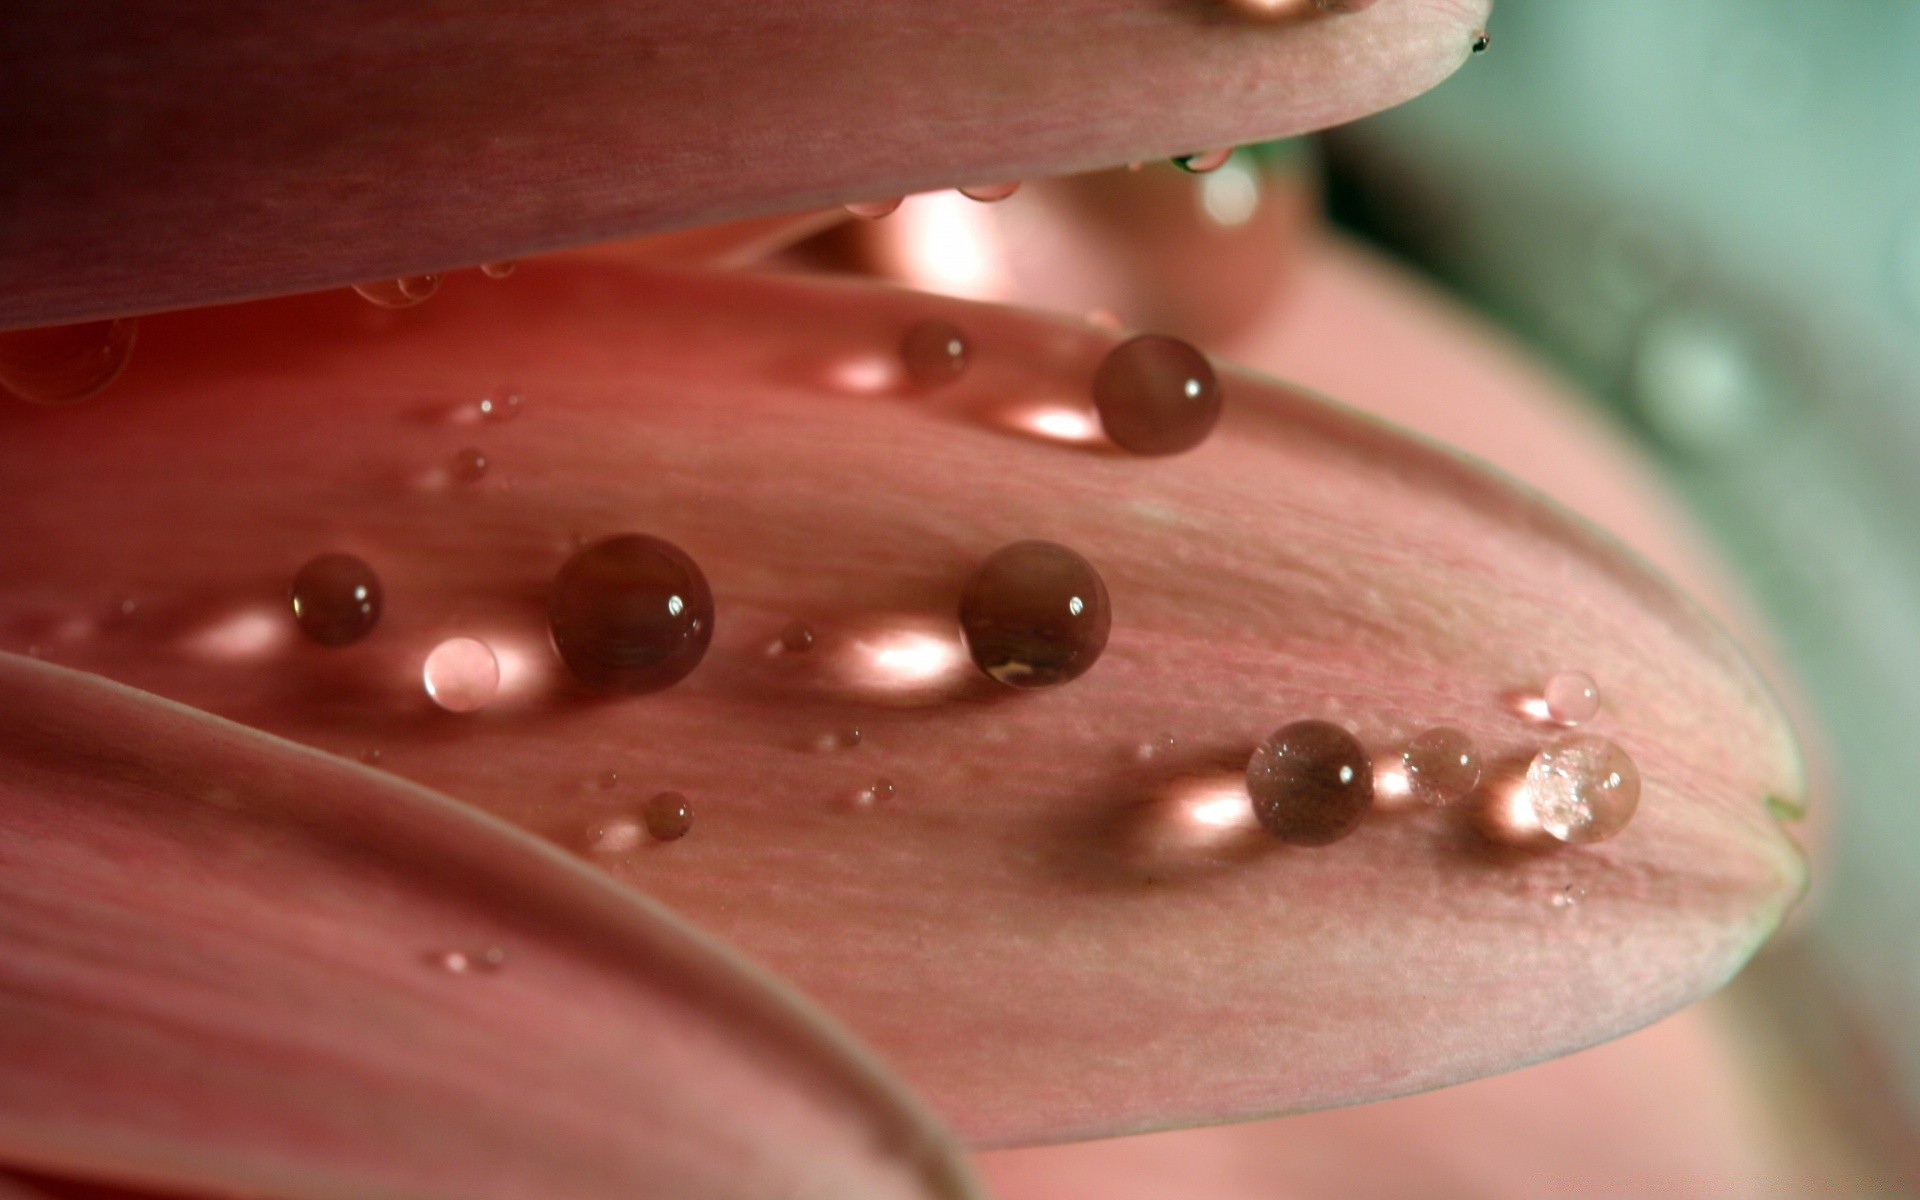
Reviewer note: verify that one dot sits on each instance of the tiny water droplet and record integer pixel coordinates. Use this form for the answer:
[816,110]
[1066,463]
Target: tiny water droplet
[1442,765]
[839,739]
[1203,162]
[1481,41]
[876,793]
[1020,620]
[461,675]
[1571,697]
[608,780]
[934,352]
[668,817]
[498,270]
[454,961]
[464,962]
[501,406]
[336,599]
[1569,896]
[1156,395]
[468,465]
[988,193]
[630,613]
[1583,789]
[1156,747]
[1311,783]
[404,292]
[614,837]
[873,210]
[63,364]
[797,637]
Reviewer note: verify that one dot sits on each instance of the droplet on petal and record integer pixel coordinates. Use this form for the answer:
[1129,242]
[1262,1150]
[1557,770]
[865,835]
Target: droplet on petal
[630,613]
[1203,162]
[1035,614]
[1311,782]
[878,792]
[1442,765]
[62,364]
[498,270]
[1583,789]
[1154,748]
[1156,395]
[668,817]
[934,352]
[797,637]
[404,292]
[1481,41]
[988,193]
[336,599]
[502,406]
[461,675]
[614,837]
[1571,697]
[873,210]
[469,465]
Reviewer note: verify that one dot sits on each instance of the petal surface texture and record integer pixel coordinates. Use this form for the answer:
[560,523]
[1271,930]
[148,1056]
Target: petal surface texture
[231,965]
[1056,916]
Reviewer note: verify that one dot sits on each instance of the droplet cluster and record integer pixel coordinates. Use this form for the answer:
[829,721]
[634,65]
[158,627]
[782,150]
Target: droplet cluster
[1034,615]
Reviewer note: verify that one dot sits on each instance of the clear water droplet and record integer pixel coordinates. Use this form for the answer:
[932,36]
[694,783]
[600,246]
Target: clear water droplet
[1019,617]
[1311,783]
[404,292]
[498,270]
[880,791]
[1156,395]
[64,364]
[1203,162]
[873,210]
[608,780]
[797,637]
[1569,896]
[501,406]
[989,193]
[336,599]
[461,675]
[1571,698]
[468,465]
[630,613]
[1442,765]
[934,352]
[668,817]
[1156,747]
[1583,789]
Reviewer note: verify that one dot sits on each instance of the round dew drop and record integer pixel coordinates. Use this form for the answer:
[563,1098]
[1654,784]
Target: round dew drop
[668,817]
[934,352]
[1583,789]
[1156,395]
[1442,765]
[630,613]
[336,599]
[63,364]
[461,675]
[1035,615]
[404,292]
[1571,697]
[1311,782]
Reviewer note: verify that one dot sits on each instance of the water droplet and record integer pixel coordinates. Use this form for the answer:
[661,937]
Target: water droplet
[463,962]
[404,292]
[873,210]
[1156,395]
[1203,162]
[1020,621]
[839,739]
[62,364]
[614,837]
[468,465]
[1569,896]
[1481,41]
[988,193]
[501,406]
[371,756]
[608,780]
[498,270]
[668,816]
[336,599]
[630,613]
[1311,783]
[1442,765]
[461,675]
[1571,697]
[934,352]
[1156,747]
[1583,789]
[1231,195]
[1702,381]
[797,637]
[878,792]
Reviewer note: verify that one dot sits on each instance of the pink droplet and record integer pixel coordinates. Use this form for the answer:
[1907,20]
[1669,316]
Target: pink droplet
[461,675]
[1203,162]
[873,210]
[988,193]
[1572,697]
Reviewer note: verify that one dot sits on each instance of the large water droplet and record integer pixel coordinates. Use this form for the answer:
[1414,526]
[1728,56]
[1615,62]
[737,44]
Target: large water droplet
[468,465]
[988,193]
[62,364]
[1311,783]
[1571,698]
[404,292]
[1035,614]
[1156,395]
[630,613]
[1583,789]
[1442,765]
[1203,162]
[934,352]
[336,599]
[669,816]
[873,210]
[461,675]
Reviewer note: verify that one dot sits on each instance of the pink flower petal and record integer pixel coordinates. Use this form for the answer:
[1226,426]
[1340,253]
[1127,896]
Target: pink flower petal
[1042,924]
[157,162]
[231,965]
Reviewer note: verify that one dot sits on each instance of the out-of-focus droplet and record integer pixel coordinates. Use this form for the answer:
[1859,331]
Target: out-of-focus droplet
[1583,789]
[1156,395]
[501,406]
[1155,747]
[1442,765]
[630,613]
[873,210]
[498,270]
[1034,615]
[461,675]
[1571,698]
[668,816]
[464,962]
[63,364]
[1231,195]
[1311,783]
[988,193]
[1203,162]
[797,637]
[404,292]
[934,352]
[372,756]
[1569,896]
[617,836]
[468,465]
[839,739]
[608,780]
[336,599]
[876,793]
[1701,381]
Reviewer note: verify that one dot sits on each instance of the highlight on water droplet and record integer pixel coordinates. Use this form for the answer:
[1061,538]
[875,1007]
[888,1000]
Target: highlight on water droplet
[1155,747]
[934,352]
[1230,196]
[64,364]
[336,599]
[1203,162]
[1442,766]
[796,638]
[873,210]
[1311,783]
[404,292]
[461,675]
[1582,789]
[630,613]
[469,962]
[989,193]
[876,793]
[1571,698]
[1035,614]
[844,738]
[498,270]
[468,465]
[1156,395]
[501,406]
[668,817]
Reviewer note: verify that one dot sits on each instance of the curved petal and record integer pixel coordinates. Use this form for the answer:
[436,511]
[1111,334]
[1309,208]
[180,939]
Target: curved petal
[1036,880]
[155,162]
[233,965]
